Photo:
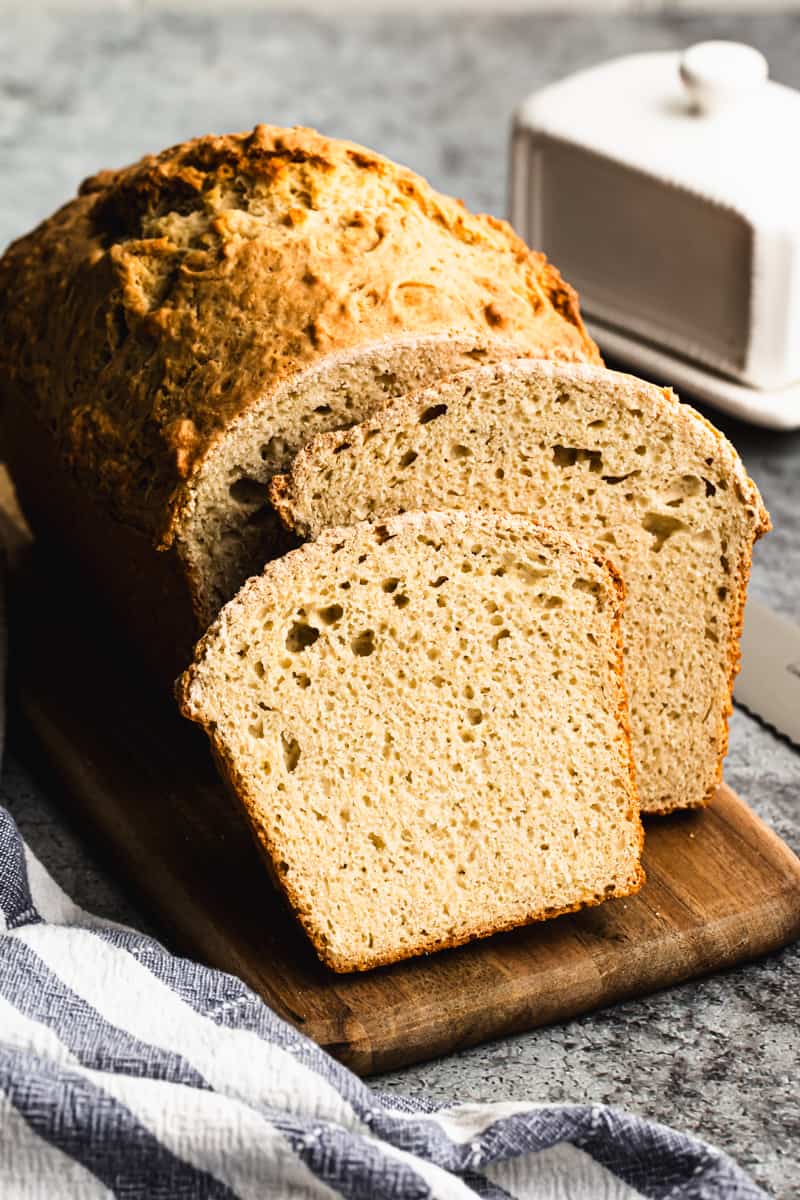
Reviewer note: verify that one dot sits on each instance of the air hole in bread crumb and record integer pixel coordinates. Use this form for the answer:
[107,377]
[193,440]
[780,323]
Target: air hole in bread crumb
[377,841]
[431,413]
[615,479]
[474,716]
[498,638]
[291,751]
[408,458]
[364,644]
[274,449]
[437,583]
[458,450]
[401,600]
[499,473]
[258,667]
[571,456]
[323,409]
[662,527]
[301,636]
[331,614]
[382,534]
[301,679]
[390,585]
[342,446]
[531,574]
[247,491]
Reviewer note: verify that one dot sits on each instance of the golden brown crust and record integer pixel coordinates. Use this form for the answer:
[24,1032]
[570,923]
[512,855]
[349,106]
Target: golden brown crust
[172,295]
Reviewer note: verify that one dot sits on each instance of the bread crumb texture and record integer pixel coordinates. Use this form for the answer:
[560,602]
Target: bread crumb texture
[620,464]
[170,297]
[426,722]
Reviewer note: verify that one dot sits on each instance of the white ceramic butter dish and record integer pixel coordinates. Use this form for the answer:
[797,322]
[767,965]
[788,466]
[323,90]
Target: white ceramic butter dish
[666,188]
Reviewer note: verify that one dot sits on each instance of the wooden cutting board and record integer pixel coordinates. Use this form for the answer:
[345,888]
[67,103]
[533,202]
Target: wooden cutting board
[138,780]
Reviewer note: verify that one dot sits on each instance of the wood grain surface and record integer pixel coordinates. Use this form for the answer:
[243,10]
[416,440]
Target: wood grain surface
[138,781]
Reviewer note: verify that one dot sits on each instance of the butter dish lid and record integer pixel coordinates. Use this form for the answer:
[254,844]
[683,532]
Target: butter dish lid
[708,120]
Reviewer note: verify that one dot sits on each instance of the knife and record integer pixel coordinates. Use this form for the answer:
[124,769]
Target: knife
[768,684]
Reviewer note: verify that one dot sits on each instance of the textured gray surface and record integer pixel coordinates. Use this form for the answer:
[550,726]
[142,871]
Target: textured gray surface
[719,1057]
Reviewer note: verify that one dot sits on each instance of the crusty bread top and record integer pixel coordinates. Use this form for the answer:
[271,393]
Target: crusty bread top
[172,295]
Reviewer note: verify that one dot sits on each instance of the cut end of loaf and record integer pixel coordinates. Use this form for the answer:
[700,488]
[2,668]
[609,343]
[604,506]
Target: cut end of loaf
[425,721]
[229,527]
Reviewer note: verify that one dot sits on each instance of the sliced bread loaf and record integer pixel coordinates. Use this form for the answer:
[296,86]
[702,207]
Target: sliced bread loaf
[426,722]
[618,462]
[172,335]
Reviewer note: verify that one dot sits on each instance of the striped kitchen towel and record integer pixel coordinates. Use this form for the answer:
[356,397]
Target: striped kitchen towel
[125,1071]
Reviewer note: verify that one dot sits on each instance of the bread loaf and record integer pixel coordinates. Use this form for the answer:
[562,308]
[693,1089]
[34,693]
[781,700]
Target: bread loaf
[425,720]
[617,462]
[171,336]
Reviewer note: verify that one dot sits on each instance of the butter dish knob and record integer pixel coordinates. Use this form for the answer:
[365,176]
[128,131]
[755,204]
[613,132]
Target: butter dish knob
[720,74]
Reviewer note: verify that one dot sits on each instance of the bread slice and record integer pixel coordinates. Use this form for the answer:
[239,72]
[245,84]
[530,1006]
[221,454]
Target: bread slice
[425,720]
[618,462]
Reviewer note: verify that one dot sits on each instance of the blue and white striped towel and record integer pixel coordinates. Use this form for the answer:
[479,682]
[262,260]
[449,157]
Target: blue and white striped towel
[125,1071]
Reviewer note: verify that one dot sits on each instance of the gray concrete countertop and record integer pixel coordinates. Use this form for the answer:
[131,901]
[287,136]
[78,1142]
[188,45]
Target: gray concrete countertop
[81,90]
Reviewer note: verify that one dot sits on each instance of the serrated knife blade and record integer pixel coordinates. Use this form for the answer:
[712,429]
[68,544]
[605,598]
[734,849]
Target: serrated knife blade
[769,681]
